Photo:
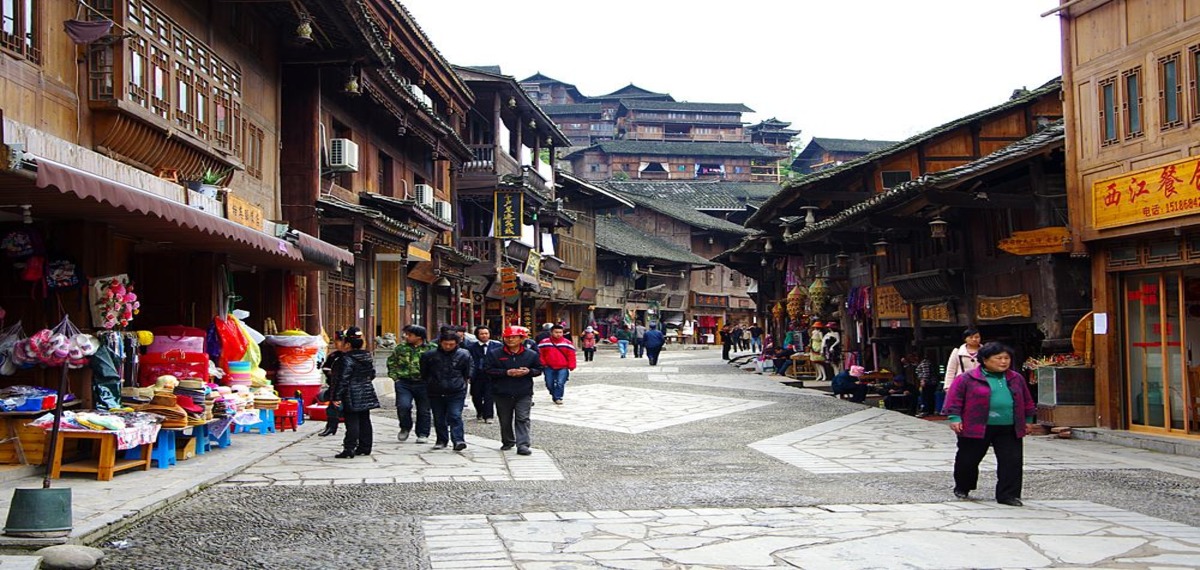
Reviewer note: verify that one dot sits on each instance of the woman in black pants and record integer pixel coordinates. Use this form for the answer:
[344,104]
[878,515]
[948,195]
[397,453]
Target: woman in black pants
[333,414]
[356,395]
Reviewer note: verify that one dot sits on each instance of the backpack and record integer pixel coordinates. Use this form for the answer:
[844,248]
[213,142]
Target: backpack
[21,243]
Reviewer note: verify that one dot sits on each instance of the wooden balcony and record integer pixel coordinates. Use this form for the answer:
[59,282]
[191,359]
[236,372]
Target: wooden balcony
[490,160]
[483,248]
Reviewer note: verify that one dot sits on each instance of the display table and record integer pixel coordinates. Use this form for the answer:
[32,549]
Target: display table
[103,461]
[801,365]
[27,441]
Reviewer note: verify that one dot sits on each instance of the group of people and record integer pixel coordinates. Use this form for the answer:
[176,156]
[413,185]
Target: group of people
[648,341]
[434,378]
[742,337]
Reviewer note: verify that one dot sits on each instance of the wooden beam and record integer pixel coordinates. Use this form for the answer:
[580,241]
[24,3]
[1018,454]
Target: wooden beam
[984,199]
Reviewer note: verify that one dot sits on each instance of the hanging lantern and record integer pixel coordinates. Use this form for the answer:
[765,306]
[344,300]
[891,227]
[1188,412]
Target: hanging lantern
[795,301]
[818,293]
[777,312]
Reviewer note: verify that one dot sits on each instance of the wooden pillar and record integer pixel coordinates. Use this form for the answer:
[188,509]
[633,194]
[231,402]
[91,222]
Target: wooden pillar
[300,169]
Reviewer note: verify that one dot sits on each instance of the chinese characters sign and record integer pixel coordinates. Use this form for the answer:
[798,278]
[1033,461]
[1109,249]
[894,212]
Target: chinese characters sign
[243,212]
[937,313]
[889,304]
[1054,239]
[508,207]
[1165,191]
[712,301]
[994,308]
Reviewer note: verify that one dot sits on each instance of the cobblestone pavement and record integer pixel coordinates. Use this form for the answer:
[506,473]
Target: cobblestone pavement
[690,464]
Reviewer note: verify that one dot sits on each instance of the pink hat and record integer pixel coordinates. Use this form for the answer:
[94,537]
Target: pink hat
[858,371]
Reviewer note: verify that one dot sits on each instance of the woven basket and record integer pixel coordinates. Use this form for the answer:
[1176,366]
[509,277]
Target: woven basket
[266,404]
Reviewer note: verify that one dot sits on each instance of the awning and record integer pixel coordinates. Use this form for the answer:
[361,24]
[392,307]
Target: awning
[322,252]
[63,192]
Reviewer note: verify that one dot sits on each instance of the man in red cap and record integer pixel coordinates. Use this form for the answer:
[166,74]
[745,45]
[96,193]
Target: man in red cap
[512,369]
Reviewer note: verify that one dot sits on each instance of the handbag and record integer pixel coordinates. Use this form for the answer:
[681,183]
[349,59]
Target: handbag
[182,365]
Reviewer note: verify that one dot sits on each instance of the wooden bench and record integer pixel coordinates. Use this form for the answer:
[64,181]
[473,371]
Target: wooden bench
[103,461]
[801,366]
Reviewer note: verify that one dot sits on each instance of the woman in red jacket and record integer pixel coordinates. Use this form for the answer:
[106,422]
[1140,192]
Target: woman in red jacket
[558,360]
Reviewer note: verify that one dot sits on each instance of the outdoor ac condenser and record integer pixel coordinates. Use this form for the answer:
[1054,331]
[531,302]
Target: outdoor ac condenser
[343,155]
[424,195]
[443,210]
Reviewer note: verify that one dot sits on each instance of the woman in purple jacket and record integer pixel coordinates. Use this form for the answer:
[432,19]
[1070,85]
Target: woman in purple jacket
[989,407]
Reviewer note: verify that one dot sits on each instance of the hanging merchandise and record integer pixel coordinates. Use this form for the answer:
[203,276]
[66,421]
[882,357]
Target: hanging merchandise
[114,304]
[106,379]
[9,339]
[232,340]
[63,273]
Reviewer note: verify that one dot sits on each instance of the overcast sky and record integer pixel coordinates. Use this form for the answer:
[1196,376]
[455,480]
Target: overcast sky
[875,69]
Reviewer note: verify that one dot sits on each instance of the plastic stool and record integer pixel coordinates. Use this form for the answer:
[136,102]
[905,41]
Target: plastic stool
[222,442]
[265,425]
[200,433]
[300,409]
[163,454]
[285,416]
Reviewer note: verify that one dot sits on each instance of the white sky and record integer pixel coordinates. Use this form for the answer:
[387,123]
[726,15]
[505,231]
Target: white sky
[875,69]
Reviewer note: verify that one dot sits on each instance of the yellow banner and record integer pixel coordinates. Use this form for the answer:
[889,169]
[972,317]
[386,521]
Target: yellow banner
[1157,193]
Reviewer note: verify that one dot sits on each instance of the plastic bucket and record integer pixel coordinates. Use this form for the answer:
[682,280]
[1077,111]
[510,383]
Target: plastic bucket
[39,513]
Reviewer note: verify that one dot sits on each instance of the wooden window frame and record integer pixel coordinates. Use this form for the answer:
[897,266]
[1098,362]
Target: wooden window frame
[1132,107]
[1164,89]
[1108,110]
[1194,81]
[23,40]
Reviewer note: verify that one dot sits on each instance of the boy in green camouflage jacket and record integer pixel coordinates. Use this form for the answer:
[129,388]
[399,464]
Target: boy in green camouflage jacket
[404,368]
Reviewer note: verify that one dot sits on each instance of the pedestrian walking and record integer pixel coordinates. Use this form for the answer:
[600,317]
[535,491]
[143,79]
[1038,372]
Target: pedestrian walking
[481,385]
[639,335]
[512,369]
[587,341]
[963,359]
[744,336]
[544,334]
[333,414]
[404,368]
[446,372]
[929,385]
[654,341]
[623,337]
[356,395]
[726,341]
[756,337]
[989,407]
[558,360]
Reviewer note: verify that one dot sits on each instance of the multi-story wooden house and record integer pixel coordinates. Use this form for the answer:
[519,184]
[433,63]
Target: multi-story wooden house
[1131,73]
[680,121]
[775,135]
[507,201]
[660,160]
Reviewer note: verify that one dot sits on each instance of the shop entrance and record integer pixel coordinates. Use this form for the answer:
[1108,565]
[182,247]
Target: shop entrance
[1162,346]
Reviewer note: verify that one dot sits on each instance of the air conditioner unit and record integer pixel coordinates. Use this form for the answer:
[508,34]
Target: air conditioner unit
[343,155]
[424,195]
[443,210]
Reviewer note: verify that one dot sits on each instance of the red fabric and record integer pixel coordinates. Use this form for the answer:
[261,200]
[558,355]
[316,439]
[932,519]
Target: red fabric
[233,342]
[557,355]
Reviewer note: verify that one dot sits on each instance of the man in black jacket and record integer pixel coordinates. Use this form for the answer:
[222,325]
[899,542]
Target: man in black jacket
[446,372]
[481,385]
[512,369]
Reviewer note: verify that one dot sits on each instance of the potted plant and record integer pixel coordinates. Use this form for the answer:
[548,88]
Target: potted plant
[210,181]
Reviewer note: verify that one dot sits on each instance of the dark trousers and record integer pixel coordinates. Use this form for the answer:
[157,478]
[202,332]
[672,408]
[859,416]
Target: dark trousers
[725,350]
[652,354]
[481,399]
[514,419]
[447,417]
[589,354]
[333,415]
[359,434]
[637,348]
[929,398]
[408,394]
[1010,456]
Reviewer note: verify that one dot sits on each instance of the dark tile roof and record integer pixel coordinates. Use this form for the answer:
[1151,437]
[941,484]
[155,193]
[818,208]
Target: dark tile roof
[685,214]
[847,145]
[492,69]
[1048,137]
[572,109]
[792,187]
[700,194]
[643,105]
[540,77]
[654,148]
[632,91]
[615,235]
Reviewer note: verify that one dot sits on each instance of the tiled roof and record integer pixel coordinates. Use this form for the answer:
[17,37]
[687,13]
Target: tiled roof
[615,235]
[575,109]
[642,105]
[492,69]
[686,214]
[632,91]
[699,194]
[848,145]
[795,186]
[654,148]
[1048,137]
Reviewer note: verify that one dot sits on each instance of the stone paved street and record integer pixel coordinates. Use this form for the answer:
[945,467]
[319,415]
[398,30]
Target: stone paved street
[691,464]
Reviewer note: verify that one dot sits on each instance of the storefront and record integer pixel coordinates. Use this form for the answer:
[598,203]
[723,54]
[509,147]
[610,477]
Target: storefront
[709,313]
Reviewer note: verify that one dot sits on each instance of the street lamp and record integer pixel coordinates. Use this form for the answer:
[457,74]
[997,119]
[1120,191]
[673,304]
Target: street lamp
[881,247]
[937,228]
[809,217]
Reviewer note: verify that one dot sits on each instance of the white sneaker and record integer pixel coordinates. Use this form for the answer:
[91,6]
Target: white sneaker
[402,436]
[422,440]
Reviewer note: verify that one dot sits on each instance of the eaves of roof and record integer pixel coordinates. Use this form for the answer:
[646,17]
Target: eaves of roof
[378,218]
[767,210]
[646,105]
[1038,142]
[614,196]
[688,215]
[654,148]
[615,235]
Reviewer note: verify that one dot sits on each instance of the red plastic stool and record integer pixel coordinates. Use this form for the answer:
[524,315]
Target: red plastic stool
[285,416]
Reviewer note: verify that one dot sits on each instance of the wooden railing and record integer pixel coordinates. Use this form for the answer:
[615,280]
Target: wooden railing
[490,159]
[483,248]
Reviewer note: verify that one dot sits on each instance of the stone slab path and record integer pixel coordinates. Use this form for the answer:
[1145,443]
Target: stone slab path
[626,409]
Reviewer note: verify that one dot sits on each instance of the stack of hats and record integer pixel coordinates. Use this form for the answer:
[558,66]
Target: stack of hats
[166,405]
[266,399]
[190,395]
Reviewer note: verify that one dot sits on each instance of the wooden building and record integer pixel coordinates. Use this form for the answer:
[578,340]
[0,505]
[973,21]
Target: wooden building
[1132,96]
[821,153]
[775,135]
[655,160]
[974,183]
